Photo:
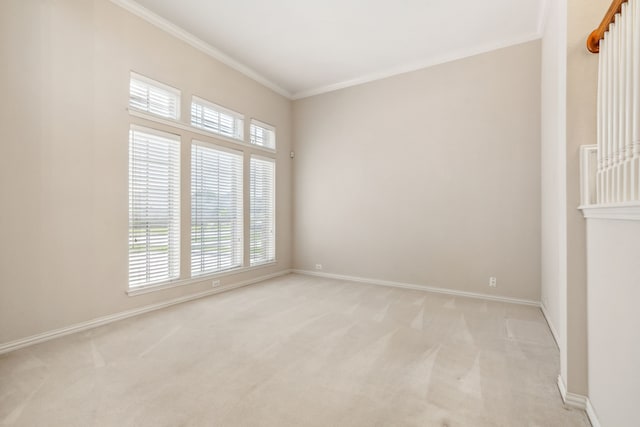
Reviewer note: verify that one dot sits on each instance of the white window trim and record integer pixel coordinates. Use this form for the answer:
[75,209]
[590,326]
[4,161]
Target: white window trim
[215,146]
[269,159]
[157,132]
[152,82]
[182,126]
[263,124]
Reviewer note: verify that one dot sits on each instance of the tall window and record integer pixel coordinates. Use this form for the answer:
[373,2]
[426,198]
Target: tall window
[214,118]
[153,97]
[262,134]
[220,217]
[262,204]
[154,206]
[216,209]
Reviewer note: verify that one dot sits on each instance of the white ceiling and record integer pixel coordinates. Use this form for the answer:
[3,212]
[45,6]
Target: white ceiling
[304,47]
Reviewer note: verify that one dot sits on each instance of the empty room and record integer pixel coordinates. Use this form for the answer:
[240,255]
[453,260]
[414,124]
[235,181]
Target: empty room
[296,213]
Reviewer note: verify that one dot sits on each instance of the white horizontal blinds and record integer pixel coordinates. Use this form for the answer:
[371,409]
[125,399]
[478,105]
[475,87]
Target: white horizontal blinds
[262,211]
[216,209]
[154,207]
[153,97]
[262,135]
[216,119]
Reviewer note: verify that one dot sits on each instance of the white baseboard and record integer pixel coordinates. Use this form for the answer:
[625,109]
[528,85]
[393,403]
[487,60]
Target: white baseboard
[591,413]
[578,401]
[552,328]
[420,288]
[572,400]
[82,326]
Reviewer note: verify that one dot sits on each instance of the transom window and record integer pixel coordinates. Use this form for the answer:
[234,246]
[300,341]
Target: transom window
[214,118]
[153,97]
[262,134]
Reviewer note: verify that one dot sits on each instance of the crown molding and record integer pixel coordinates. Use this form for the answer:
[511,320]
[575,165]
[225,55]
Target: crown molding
[425,63]
[178,32]
[201,45]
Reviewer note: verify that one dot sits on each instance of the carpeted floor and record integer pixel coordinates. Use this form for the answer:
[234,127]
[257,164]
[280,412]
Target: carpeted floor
[297,351]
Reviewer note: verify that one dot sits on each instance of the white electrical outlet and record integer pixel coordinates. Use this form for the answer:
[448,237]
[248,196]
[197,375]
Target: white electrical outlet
[215,283]
[318,266]
[493,282]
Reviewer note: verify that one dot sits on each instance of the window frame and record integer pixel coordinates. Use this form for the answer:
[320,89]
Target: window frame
[187,133]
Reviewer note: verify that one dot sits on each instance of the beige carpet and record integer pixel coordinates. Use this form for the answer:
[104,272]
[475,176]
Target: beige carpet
[297,351]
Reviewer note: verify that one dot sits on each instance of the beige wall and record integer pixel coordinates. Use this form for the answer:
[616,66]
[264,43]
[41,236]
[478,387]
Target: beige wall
[431,177]
[63,156]
[614,336]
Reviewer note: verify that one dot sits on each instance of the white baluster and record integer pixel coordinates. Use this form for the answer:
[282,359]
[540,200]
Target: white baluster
[616,111]
[621,66]
[600,123]
[606,112]
[627,69]
[610,111]
[622,30]
[635,165]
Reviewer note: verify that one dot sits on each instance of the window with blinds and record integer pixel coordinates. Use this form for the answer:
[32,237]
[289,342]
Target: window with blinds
[154,207]
[262,243]
[262,134]
[214,118]
[216,209]
[153,97]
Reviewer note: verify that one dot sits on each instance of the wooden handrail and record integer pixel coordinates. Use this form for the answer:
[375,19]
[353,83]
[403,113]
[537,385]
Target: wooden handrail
[593,41]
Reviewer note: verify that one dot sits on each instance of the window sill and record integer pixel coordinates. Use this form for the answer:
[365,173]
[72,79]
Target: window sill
[140,290]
